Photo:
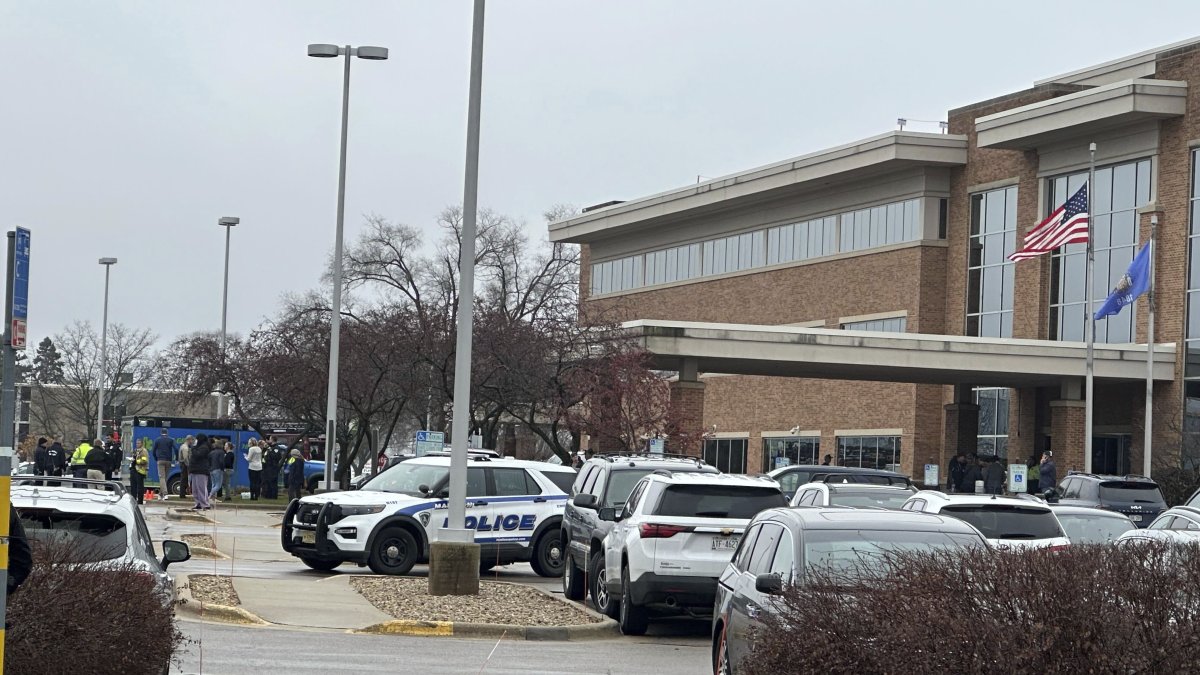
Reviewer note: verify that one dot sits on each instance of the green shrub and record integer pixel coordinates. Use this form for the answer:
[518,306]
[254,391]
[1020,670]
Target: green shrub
[1087,609]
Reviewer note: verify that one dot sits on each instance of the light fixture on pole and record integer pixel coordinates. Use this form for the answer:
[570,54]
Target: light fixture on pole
[227,222]
[326,51]
[108,263]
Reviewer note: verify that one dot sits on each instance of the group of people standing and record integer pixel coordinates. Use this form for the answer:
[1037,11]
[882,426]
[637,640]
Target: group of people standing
[97,459]
[966,470]
[207,467]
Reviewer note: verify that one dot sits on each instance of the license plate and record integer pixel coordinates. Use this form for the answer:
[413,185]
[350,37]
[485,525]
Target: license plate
[724,544]
[307,537]
[1135,518]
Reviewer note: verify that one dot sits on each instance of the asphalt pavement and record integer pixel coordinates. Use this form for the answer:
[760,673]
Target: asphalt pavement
[230,650]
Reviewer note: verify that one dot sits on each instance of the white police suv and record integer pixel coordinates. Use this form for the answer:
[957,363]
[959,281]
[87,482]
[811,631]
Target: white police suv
[514,506]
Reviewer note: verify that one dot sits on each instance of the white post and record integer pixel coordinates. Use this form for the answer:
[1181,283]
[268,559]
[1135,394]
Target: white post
[335,320]
[221,412]
[460,425]
[1147,435]
[103,356]
[1090,326]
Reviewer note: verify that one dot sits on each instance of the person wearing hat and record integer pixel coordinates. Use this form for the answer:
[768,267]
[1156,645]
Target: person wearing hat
[41,458]
[96,460]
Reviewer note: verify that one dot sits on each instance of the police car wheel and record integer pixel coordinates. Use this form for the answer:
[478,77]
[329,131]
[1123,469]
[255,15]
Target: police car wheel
[548,555]
[574,587]
[321,565]
[394,552]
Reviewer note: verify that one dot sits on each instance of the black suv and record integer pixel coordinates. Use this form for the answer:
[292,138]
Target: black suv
[1136,496]
[604,482]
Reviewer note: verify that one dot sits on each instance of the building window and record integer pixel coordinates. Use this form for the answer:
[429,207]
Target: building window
[872,452]
[993,422]
[989,271]
[881,225]
[727,454]
[897,324]
[1119,190]
[790,450]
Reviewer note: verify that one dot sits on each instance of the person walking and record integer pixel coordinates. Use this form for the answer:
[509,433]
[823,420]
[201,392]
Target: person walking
[216,470]
[293,474]
[198,472]
[164,455]
[993,477]
[79,459]
[1047,472]
[254,466]
[228,463]
[272,461]
[185,451]
[958,466]
[58,456]
[137,472]
[41,458]
[96,460]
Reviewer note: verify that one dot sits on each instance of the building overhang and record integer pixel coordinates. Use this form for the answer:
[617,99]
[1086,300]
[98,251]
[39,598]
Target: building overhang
[790,351]
[808,173]
[1082,113]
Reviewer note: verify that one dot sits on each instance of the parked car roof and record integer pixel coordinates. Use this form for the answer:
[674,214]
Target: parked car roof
[845,518]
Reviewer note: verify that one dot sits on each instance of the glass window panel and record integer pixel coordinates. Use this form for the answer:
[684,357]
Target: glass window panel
[731,254]
[870,452]
[993,248]
[1071,277]
[974,281]
[1124,228]
[1010,208]
[670,265]
[993,287]
[1071,326]
[1002,411]
[595,281]
[1102,230]
[1196,213]
[976,214]
[878,226]
[1124,186]
[1143,182]
[606,278]
[862,229]
[719,256]
[745,251]
[1193,318]
[1194,264]
[911,220]
[760,249]
[847,232]
[1118,328]
[786,252]
[627,271]
[895,222]
[773,246]
[1120,259]
[800,242]
[1006,320]
[989,325]
[993,213]
[709,267]
[1073,184]
[695,260]
[1100,276]
[638,279]
[1102,199]
[1006,301]
[829,239]
[818,238]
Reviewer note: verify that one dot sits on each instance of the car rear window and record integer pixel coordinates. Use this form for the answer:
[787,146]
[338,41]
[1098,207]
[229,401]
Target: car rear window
[1006,521]
[1094,528]
[563,479]
[884,499]
[857,552]
[92,537]
[1131,492]
[718,501]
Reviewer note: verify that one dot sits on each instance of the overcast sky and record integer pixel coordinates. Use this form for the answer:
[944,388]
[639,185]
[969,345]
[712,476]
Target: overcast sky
[128,127]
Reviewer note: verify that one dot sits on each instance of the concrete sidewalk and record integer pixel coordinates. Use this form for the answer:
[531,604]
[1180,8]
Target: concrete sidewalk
[328,602]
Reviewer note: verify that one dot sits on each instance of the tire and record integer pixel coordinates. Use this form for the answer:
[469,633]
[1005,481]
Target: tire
[605,603]
[722,666]
[321,565]
[548,559]
[393,552]
[632,617]
[173,484]
[573,583]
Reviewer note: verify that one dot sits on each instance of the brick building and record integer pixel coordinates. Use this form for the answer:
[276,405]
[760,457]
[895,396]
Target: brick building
[858,301]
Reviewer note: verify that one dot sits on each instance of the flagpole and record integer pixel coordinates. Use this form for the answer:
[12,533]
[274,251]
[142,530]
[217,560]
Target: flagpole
[1090,326]
[1146,438]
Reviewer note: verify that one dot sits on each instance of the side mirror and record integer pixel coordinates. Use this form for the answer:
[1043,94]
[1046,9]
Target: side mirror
[769,584]
[423,489]
[175,551]
[585,501]
[1050,495]
[609,514]
[444,494]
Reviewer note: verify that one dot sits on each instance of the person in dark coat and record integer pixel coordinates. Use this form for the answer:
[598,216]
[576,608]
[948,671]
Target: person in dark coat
[199,466]
[112,450]
[293,474]
[96,461]
[971,474]
[41,458]
[958,466]
[272,463]
[58,457]
[1048,473]
[993,477]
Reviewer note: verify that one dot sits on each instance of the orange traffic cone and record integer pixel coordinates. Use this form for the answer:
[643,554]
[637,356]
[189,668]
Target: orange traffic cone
[149,496]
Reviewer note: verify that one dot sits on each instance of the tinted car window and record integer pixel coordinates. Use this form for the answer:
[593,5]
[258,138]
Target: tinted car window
[764,548]
[93,537]
[562,479]
[513,482]
[785,557]
[1005,521]
[741,557]
[1162,523]
[854,552]
[885,499]
[620,484]
[1184,524]
[584,474]
[1131,492]
[407,477]
[1091,528]
[718,501]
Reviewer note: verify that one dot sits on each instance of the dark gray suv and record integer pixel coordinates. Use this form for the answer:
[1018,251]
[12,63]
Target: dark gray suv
[603,484]
[1135,496]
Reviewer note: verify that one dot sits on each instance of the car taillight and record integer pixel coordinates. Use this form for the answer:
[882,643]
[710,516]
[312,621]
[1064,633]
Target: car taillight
[659,531]
[1058,548]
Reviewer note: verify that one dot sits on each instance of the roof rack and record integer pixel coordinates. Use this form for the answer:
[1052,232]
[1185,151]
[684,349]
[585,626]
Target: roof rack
[618,456]
[840,478]
[113,486]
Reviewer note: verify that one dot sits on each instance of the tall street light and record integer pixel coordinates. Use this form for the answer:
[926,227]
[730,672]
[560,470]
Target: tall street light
[324,51]
[108,263]
[227,222]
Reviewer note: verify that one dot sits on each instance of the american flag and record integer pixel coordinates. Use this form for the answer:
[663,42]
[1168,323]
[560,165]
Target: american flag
[1067,225]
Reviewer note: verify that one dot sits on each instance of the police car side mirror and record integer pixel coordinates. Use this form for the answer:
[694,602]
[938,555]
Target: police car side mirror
[608,513]
[585,501]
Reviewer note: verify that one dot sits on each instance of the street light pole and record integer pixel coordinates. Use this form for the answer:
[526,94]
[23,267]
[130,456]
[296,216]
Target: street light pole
[227,222]
[335,321]
[108,263]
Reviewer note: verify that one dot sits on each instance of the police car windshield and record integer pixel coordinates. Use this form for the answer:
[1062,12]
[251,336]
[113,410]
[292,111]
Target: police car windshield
[406,478]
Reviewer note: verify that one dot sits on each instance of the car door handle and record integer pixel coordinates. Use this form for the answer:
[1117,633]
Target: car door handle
[539,500]
[479,504]
[752,611]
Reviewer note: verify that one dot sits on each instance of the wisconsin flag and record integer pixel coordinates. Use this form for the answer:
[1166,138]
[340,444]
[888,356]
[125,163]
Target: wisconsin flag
[1132,284]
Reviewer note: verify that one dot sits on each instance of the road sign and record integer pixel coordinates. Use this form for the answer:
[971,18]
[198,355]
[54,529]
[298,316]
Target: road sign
[428,441]
[931,475]
[1016,478]
[20,286]
[657,445]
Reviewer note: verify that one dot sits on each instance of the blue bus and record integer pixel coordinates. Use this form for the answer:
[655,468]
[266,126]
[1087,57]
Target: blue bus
[143,430]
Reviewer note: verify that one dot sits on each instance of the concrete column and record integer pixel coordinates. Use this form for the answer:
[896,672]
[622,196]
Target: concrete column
[1022,424]
[687,402]
[1067,424]
[961,430]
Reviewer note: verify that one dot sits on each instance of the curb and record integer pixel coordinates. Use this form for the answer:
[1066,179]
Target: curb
[206,553]
[176,514]
[186,603]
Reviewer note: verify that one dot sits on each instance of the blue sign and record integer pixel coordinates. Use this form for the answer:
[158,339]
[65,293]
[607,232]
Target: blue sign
[429,441]
[20,308]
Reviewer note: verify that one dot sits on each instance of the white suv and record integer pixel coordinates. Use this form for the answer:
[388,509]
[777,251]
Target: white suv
[514,506]
[674,536]
[1006,522]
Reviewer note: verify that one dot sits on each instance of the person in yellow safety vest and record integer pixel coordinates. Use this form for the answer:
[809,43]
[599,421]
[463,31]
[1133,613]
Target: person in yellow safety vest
[78,459]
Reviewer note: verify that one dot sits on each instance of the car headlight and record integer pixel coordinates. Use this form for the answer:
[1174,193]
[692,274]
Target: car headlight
[361,509]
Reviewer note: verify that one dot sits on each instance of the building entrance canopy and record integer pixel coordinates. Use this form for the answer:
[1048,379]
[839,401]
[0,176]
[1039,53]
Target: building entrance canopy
[788,351]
